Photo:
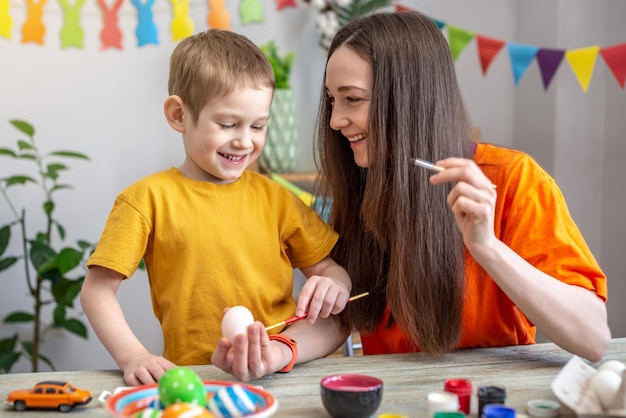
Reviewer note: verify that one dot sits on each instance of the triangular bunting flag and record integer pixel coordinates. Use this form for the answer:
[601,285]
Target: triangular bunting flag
[549,60]
[615,58]
[401,9]
[281,4]
[488,48]
[582,61]
[440,23]
[458,39]
[521,56]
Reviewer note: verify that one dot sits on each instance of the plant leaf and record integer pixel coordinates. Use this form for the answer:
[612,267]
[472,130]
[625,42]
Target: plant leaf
[7,151]
[10,181]
[60,186]
[58,315]
[47,361]
[8,344]
[60,230]
[70,154]
[22,145]
[7,360]
[23,126]
[19,317]
[76,327]
[41,255]
[7,262]
[65,291]
[27,157]
[5,237]
[83,244]
[48,207]
[68,259]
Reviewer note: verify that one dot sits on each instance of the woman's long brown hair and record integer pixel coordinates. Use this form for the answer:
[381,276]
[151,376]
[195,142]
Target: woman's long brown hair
[398,239]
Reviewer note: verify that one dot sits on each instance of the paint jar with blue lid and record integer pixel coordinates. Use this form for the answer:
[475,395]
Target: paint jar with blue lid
[498,411]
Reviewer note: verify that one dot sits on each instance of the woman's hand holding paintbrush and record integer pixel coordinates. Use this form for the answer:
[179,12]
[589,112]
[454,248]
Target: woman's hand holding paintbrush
[293,319]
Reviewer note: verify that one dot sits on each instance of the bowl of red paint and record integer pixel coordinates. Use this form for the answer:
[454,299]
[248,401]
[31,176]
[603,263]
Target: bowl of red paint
[351,395]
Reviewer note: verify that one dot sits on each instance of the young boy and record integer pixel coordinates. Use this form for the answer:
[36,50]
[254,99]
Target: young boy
[212,234]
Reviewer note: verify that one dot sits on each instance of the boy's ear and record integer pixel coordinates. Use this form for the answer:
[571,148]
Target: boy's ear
[174,110]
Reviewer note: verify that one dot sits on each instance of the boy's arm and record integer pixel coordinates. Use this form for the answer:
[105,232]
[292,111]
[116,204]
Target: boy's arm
[98,297]
[325,292]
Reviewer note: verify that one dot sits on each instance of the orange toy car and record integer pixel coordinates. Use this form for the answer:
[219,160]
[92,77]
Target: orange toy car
[49,395]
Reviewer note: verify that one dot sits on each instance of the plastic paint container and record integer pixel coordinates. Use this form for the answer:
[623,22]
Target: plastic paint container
[440,401]
[489,395]
[463,389]
[442,414]
[543,408]
[498,411]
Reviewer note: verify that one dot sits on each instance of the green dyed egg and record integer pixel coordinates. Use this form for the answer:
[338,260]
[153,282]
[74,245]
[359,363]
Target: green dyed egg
[149,413]
[181,384]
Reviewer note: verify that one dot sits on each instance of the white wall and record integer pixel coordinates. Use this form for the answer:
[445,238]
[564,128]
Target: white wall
[108,104]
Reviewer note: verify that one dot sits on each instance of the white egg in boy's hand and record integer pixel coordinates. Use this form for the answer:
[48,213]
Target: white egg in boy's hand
[236,321]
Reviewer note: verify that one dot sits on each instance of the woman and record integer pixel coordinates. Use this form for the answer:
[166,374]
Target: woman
[477,255]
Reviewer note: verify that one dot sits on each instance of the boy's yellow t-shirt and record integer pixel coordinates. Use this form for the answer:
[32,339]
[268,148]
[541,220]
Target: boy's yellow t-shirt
[532,218]
[208,247]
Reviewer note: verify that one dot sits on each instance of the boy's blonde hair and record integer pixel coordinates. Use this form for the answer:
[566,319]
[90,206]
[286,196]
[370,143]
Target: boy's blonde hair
[213,63]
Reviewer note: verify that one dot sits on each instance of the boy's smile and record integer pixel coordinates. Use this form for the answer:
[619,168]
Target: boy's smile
[228,137]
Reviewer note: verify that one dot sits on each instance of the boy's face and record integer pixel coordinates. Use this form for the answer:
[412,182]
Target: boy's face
[228,137]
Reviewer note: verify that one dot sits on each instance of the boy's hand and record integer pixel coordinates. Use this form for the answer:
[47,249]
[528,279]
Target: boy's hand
[320,297]
[325,292]
[146,370]
[251,355]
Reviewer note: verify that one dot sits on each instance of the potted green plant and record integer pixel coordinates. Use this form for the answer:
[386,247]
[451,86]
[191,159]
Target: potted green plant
[46,264]
[282,143]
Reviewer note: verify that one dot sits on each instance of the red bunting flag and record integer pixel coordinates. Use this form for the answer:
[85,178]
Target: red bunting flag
[615,58]
[281,4]
[488,48]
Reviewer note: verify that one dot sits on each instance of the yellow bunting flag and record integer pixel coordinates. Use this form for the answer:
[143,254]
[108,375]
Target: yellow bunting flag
[218,17]
[182,24]
[6,21]
[33,29]
[583,61]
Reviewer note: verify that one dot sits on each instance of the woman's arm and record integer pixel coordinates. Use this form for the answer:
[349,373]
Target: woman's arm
[569,315]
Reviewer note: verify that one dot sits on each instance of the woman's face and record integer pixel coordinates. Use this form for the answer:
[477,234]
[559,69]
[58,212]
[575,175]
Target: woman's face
[349,81]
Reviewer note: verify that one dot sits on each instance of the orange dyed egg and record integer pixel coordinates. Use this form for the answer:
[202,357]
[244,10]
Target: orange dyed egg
[186,410]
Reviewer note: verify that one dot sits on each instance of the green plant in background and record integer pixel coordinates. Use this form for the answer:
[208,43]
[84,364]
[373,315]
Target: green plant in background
[280,65]
[282,143]
[46,269]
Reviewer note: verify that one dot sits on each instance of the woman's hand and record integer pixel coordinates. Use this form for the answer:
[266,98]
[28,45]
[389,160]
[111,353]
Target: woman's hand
[472,200]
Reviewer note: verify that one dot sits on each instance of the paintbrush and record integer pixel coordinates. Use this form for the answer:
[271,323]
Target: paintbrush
[426,164]
[431,166]
[297,318]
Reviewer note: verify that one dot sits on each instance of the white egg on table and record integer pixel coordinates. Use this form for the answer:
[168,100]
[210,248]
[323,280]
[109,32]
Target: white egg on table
[236,321]
[615,366]
[606,384]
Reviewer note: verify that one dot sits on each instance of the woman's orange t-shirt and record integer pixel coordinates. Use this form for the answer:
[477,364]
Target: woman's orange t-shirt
[532,218]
